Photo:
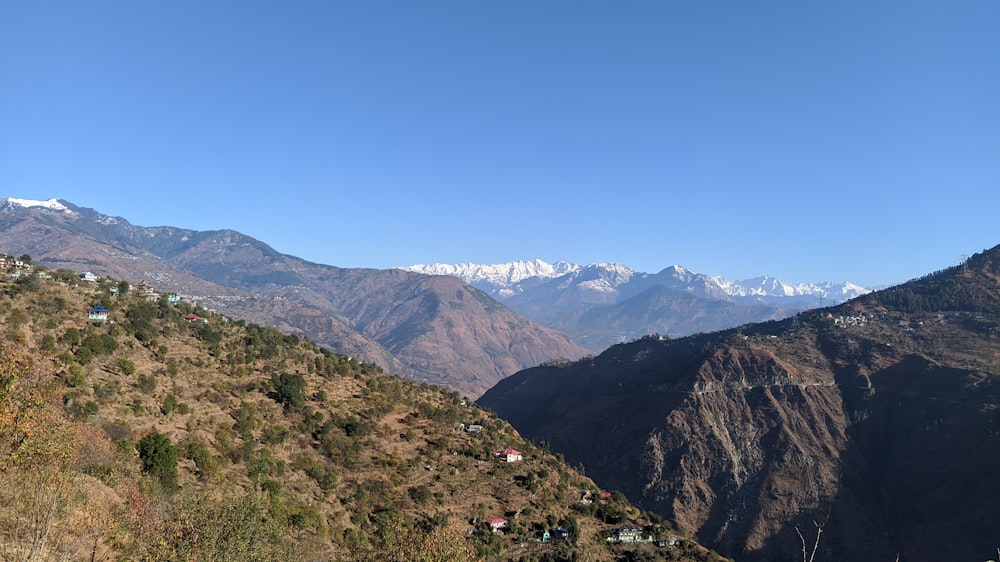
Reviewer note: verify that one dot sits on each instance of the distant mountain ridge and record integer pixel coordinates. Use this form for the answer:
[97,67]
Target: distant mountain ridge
[505,280]
[602,304]
[431,328]
[501,280]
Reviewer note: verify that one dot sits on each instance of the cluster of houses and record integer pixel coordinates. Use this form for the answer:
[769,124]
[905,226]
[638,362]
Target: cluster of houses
[146,291]
[852,320]
[15,268]
[628,535]
[620,535]
[498,524]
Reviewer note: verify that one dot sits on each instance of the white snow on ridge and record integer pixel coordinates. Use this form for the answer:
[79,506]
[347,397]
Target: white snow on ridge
[53,204]
[502,277]
[508,279]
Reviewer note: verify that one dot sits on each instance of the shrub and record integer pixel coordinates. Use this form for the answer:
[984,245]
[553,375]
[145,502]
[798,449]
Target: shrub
[126,366]
[147,384]
[168,404]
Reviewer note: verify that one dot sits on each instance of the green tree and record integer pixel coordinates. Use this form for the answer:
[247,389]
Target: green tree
[159,458]
[290,390]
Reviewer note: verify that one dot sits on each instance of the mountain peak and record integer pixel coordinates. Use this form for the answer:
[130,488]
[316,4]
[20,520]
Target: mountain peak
[53,204]
[499,279]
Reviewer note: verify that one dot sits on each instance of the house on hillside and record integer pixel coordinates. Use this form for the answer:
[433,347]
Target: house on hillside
[626,535]
[509,455]
[497,524]
[98,313]
[88,276]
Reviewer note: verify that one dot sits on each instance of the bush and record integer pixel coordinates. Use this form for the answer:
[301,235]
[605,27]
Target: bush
[147,384]
[168,404]
[126,366]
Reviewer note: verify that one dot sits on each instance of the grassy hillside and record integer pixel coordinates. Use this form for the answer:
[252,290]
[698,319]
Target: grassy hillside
[166,432]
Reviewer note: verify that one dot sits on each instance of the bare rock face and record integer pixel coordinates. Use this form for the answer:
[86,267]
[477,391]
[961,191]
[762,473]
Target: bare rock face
[759,440]
[871,427]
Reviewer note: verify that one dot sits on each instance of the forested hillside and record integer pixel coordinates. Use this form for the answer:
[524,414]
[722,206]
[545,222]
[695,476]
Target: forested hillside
[136,426]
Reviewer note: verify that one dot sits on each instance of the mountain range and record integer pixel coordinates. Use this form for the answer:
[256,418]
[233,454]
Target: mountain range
[430,323]
[862,431]
[601,304]
[430,328]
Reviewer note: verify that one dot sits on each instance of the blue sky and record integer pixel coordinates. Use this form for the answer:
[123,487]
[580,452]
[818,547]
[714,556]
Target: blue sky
[813,141]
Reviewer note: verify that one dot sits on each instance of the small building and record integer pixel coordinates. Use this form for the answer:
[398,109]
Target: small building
[473,428]
[88,276]
[98,313]
[173,297]
[497,524]
[626,535]
[509,455]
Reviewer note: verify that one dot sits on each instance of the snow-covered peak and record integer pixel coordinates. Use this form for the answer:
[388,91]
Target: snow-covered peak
[501,279]
[505,280]
[501,273]
[52,204]
[613,274]
[769,288]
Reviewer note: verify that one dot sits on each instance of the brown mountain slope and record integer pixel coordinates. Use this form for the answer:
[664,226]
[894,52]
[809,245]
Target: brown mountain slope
[877,419]
[264,447]
[434,329]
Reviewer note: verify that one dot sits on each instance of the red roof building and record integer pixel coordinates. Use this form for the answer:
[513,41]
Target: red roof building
[509,455]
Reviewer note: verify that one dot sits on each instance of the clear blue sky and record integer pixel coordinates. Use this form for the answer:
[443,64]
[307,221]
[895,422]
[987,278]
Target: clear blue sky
[813,141]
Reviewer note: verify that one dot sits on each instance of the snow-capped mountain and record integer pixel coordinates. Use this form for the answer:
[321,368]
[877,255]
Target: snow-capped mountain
[605,303]
[762,289]
[53,204]
[501,280]
[596,283]
[614,280]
